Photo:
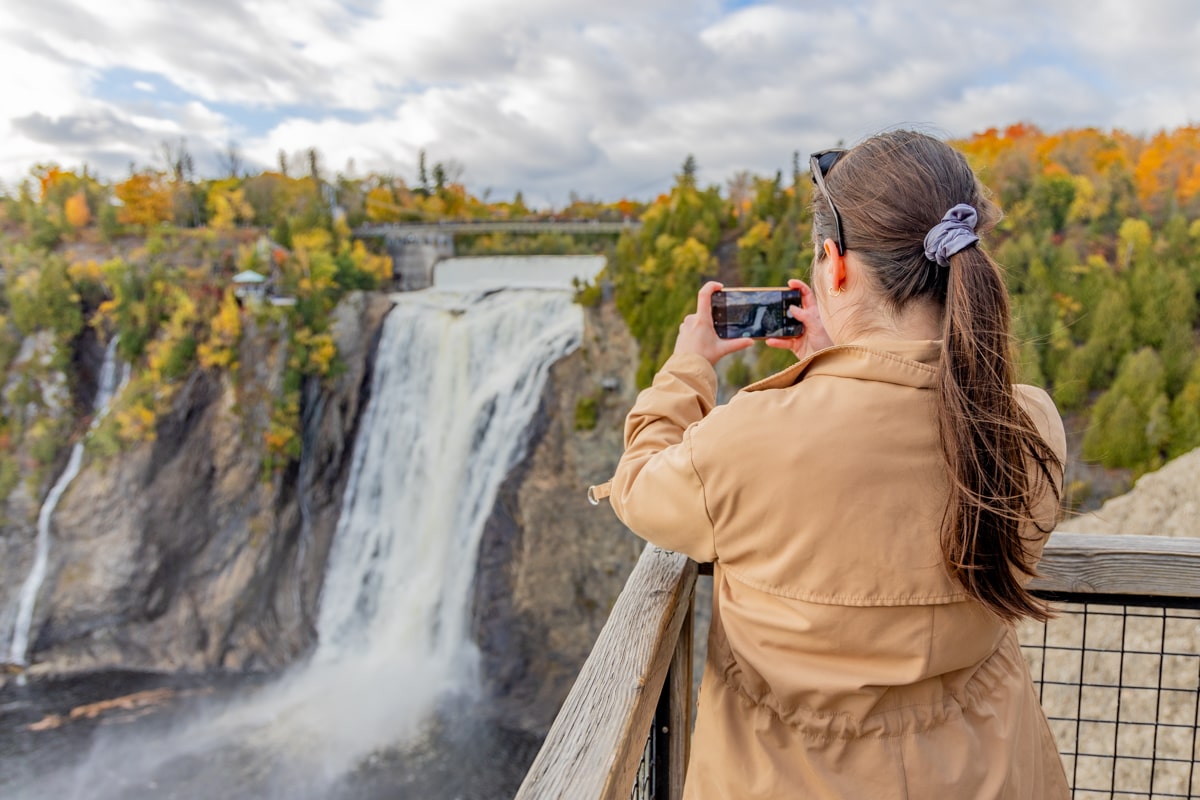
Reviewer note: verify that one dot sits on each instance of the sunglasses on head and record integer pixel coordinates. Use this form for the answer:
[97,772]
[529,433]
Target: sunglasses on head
[819,165]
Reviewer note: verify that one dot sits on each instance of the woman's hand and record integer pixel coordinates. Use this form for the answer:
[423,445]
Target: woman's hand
[697,334]
[815,337]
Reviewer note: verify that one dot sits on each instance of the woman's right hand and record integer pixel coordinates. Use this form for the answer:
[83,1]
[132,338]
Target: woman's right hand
[815,337]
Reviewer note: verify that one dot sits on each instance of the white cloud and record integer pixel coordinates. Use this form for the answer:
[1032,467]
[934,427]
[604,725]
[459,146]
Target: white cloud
[551,96]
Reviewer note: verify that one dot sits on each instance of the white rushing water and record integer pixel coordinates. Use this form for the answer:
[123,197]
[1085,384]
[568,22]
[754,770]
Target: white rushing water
[107,386]
[458,377]
[457,380]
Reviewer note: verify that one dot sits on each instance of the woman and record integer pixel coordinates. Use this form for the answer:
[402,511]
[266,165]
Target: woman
[873,512]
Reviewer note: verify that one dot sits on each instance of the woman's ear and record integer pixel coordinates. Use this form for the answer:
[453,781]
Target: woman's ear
[835,267]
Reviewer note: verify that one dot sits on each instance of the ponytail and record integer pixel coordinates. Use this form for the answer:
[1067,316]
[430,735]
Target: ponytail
[999,465]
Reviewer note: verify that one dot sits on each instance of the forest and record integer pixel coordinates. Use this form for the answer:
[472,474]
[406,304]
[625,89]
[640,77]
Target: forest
[1100,243]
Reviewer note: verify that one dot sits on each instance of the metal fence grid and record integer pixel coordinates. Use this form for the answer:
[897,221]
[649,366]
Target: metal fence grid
[653,775]
[644,784]
[1120,685]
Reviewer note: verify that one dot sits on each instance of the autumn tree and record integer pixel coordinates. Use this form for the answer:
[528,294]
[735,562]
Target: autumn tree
[145,199]
[76,210]
[227,205]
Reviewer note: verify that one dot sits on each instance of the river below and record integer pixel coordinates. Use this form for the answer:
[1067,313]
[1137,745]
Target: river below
[124,743]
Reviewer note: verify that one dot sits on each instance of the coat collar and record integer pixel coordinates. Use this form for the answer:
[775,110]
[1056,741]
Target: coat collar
[908,363]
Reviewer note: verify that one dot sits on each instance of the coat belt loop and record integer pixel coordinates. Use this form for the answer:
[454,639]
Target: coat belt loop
[598,492]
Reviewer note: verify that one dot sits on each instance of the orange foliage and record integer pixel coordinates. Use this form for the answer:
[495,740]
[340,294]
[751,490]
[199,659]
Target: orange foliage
[1167,168]
[48,177]
[76,209]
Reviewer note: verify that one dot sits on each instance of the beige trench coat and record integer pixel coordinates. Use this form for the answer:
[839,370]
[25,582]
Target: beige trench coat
[843,661]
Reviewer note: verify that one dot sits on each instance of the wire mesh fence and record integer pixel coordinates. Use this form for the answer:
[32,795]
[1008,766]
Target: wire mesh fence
[644,787]
[1120,684]
[653,772]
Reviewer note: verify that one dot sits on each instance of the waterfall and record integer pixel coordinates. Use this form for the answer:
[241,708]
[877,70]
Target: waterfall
[108,384]
[458,377]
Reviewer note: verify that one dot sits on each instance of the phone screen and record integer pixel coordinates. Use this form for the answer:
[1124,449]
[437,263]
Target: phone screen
[755,313]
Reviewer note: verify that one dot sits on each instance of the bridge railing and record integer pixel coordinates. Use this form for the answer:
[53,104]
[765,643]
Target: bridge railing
[1118,672]
[590,227]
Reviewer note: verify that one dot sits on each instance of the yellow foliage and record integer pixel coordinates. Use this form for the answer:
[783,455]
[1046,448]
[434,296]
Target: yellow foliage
[228,207]
[321,353]
[278,438]
[178,326]
[313,241]
[76,209]
[377,266]
[755,238]
[382,207]
[135,424]
[146,199]
[1085,207]
[281,437]
[221,348]
[85,272]
[432,207]
[314,353]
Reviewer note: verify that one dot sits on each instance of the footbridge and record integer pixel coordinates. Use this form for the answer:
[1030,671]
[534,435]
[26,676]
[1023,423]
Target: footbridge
[416,247]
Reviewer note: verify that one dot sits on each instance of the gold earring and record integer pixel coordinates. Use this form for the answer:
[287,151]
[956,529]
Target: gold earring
[832,293]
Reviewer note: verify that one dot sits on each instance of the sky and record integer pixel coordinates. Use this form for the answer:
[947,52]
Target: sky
[594,98]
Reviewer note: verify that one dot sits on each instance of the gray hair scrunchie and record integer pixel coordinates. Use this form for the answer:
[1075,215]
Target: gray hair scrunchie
[955,232]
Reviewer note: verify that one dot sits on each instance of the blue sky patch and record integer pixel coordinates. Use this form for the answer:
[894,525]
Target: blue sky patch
[151,94]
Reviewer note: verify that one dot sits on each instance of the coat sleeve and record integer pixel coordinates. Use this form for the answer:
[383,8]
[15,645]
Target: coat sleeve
[1049,423]
[656,490]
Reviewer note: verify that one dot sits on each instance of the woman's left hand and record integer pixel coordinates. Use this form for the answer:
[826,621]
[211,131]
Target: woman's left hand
[697,334]
[815,337]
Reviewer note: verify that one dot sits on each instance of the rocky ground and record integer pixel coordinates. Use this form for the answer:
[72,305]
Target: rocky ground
[1162,503]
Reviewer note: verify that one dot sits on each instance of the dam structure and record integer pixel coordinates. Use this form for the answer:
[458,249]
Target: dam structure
[416,248]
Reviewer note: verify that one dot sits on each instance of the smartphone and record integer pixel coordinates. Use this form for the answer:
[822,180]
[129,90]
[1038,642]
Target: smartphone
[756,313]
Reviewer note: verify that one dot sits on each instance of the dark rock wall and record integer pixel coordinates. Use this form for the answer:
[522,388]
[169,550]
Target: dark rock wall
[551,565]
[180,554]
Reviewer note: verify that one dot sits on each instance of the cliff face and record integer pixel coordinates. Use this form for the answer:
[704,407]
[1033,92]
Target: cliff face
[550,564]
[178,554]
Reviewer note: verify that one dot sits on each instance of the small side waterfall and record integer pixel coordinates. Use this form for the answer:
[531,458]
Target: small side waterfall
[108,384]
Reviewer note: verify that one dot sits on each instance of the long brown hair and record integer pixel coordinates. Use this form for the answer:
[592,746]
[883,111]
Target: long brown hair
[889,191]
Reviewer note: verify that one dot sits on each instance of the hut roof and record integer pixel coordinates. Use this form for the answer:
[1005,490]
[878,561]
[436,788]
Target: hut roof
[249,276]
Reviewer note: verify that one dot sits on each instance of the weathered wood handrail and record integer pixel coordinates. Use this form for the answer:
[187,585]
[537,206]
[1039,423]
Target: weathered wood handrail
[595,744]
[1151,566]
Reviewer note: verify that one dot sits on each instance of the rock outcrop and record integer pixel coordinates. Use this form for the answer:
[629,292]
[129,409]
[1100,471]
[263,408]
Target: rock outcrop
[1162,503]
[550,564]
[180,555]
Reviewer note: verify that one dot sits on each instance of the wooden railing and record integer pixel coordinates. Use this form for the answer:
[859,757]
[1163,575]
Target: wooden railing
[603,745]
[594,748]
